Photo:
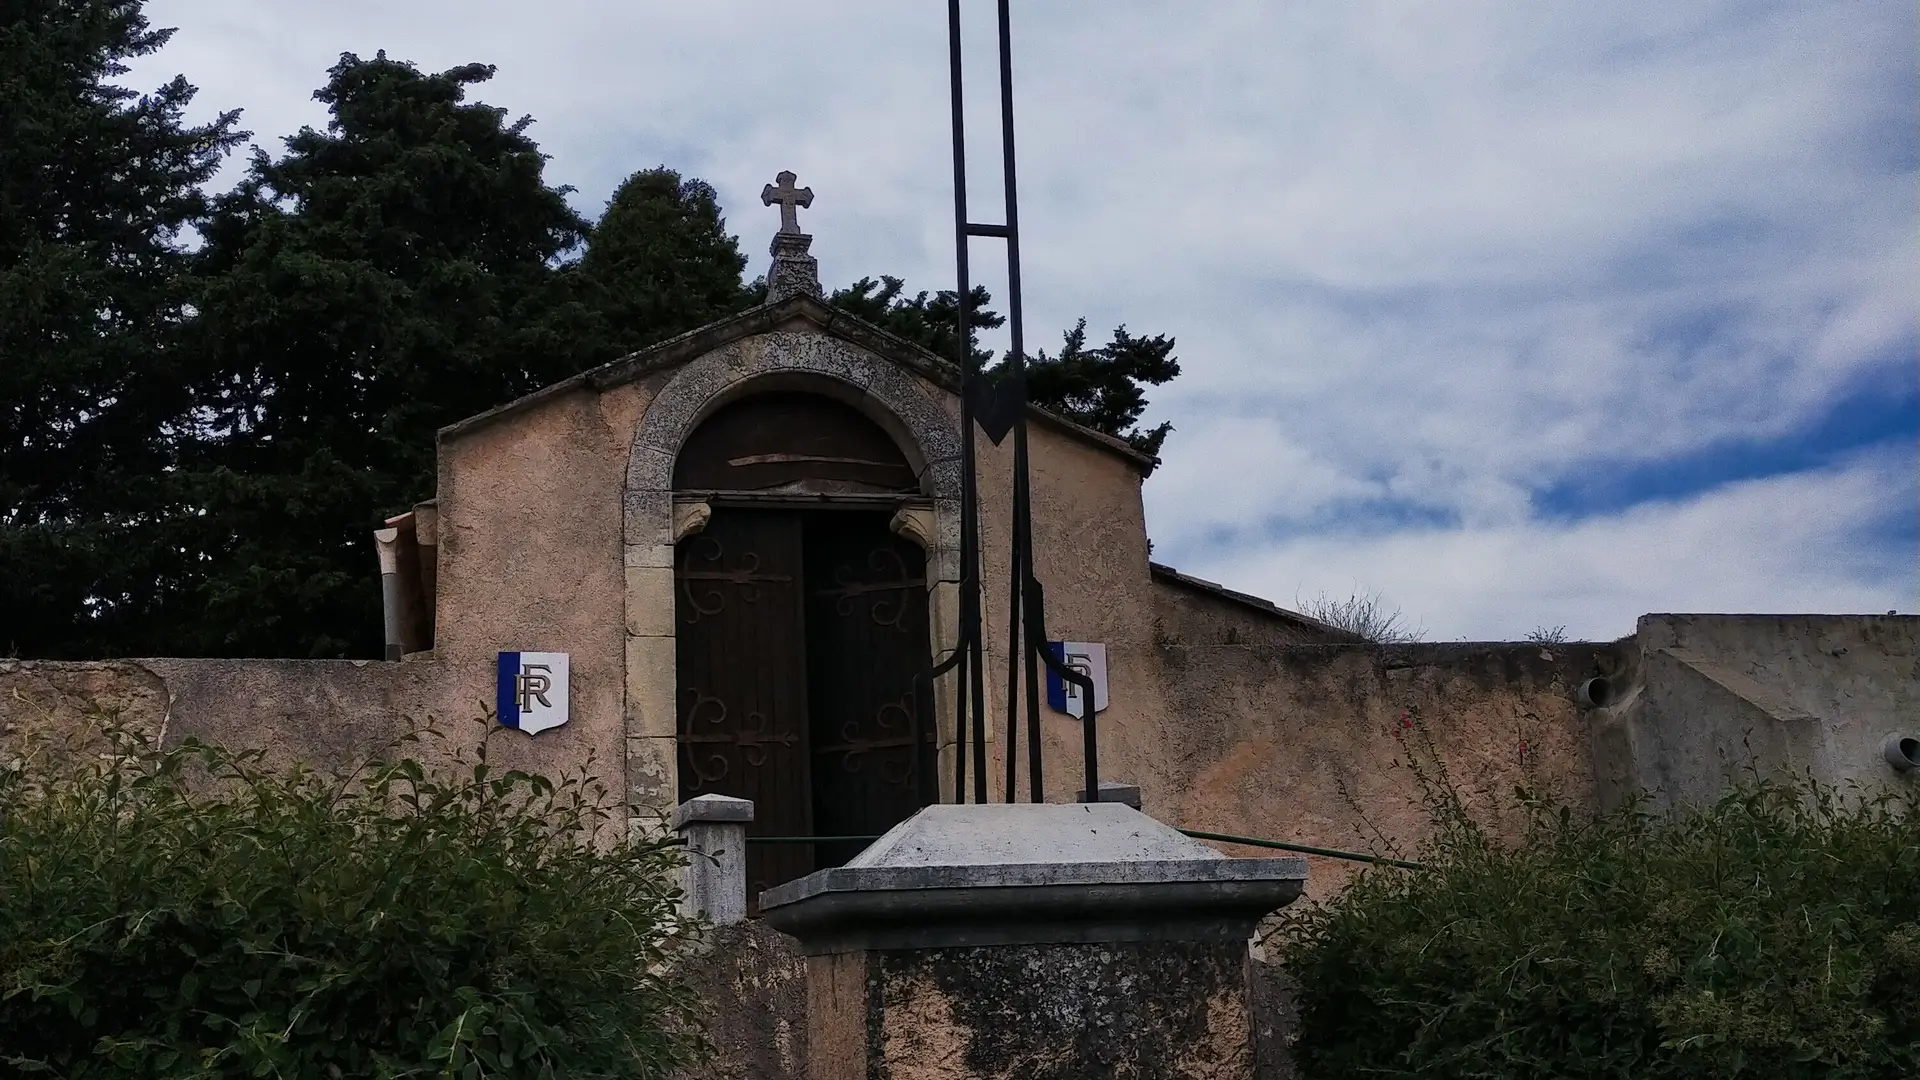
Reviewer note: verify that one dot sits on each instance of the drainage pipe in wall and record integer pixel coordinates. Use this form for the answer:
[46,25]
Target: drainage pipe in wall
[1902,752]
[1595,693]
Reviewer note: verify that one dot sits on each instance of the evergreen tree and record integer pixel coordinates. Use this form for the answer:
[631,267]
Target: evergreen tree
[1103,388]
[386,276]
[659,263]
[1100,388]
[97,182]
[929,322]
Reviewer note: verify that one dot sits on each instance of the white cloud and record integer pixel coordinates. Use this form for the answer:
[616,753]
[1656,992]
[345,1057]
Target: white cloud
[1432,256]
[1803,542]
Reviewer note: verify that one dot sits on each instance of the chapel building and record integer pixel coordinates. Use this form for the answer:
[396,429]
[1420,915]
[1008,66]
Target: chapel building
[746,539]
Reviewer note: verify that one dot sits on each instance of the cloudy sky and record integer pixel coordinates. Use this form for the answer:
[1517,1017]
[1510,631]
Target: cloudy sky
[1517,313]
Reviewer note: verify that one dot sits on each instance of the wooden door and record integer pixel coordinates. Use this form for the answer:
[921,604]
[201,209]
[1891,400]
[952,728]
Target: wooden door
[867,641]
[742,680]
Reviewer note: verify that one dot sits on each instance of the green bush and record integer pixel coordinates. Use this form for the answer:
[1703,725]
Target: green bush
[193,913]
[1775,934]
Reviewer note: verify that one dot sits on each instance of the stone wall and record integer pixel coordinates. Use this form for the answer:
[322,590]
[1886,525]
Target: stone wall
[752,985]
[1311,744]
[1706,700]
[329,714]
[321,712]
[1306,743]
[1300,743]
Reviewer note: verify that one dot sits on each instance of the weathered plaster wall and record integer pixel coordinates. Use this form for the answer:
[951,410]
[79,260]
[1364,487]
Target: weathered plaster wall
[1309,744]
[530,556]
[1224,724]
[44,700]
[326,713]
[1303,743]
[1090,546]
[530,559]
[1711,699]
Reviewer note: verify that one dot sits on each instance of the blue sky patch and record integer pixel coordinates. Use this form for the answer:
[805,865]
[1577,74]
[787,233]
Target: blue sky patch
[1883,408]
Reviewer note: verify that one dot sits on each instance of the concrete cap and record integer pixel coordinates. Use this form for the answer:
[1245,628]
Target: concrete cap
[1000,834]
[1030,873]
[707,808]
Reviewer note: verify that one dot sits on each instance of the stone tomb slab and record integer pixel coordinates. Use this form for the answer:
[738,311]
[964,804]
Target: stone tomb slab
[1049,942]
[1025,873]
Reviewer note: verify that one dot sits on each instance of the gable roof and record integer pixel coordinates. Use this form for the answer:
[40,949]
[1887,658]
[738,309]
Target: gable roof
[768,317]
[1163,572]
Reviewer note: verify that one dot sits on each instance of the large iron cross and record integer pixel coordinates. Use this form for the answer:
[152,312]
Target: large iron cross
[789,198]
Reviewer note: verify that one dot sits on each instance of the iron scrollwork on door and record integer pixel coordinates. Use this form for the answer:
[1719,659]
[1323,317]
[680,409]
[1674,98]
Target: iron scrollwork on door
[710,599]
[893,730]
[711,765]
[890,576]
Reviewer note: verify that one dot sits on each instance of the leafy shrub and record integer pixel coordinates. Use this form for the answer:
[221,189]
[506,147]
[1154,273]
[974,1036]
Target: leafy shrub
[193,913]
[1775,934]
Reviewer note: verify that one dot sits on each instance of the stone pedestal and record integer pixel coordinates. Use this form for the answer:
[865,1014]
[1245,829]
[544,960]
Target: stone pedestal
[1046,942]
[794,272]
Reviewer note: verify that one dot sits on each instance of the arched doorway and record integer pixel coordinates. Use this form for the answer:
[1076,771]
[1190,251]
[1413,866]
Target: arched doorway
[801,626]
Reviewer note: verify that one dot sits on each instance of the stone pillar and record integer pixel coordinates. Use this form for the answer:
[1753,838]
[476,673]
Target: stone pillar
[1047,942]
[715,879]
[386,544]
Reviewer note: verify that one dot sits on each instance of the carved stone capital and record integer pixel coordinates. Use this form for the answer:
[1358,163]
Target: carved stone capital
[690,518]
[915,523]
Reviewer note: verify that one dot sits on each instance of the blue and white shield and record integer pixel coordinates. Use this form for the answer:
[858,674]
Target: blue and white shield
[1089,658]
[531,690]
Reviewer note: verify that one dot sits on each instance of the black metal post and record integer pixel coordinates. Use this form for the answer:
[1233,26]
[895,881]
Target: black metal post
[1022,571]
[1026,614]
[1015,574]
[970,722]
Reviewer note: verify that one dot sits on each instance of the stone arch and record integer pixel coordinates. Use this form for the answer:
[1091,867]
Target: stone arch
[780,360]
[784,360]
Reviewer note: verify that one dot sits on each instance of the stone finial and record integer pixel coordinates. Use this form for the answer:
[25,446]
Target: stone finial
[789,198]
[794,272]
[705,809]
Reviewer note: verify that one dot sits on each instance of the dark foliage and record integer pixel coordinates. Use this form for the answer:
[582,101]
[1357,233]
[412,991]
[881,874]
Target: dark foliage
[660,263]
[1100,388]
[1103,388]
[1774,935]
[97,183]
[191,913]
[931,321]
[386,276]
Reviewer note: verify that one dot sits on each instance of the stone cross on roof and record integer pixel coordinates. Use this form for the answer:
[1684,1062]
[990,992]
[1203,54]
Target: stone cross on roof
[789,198]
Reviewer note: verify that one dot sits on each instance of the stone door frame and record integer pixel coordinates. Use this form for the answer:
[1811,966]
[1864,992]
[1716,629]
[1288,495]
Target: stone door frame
[796,360]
